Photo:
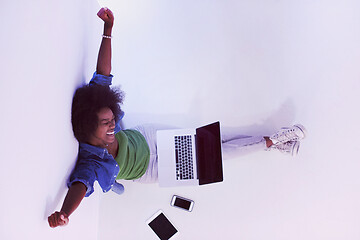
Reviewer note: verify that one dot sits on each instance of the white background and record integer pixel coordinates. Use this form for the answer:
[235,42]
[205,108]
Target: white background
[256,65]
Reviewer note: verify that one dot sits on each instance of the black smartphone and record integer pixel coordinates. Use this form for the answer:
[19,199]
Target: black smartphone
[183,203]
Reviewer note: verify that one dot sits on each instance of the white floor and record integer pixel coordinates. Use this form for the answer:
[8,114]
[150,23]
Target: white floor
[253,65]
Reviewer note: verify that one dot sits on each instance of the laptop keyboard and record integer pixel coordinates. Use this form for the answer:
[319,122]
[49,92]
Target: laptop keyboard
[184,159]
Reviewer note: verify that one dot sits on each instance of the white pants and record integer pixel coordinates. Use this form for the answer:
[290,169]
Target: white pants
[233,145]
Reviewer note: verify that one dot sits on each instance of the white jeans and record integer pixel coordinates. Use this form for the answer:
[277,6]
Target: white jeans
[233,145]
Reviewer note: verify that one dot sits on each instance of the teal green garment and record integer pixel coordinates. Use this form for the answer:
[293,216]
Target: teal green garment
[133,155]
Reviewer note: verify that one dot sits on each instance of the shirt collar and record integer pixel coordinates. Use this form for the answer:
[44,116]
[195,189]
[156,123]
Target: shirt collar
[98,151]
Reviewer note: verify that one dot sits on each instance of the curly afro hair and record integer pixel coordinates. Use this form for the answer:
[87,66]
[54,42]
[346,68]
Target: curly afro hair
[87,102]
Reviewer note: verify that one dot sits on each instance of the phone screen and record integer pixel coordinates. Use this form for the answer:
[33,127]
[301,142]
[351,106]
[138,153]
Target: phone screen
[182,203]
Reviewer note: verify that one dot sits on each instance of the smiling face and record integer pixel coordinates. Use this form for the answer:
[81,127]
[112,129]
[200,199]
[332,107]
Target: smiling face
[104,134]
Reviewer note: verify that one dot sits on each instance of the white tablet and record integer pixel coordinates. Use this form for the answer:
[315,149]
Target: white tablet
[162,226]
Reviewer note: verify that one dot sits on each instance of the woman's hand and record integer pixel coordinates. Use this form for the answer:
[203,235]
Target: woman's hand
[72,200]
[58,219]
[107,16]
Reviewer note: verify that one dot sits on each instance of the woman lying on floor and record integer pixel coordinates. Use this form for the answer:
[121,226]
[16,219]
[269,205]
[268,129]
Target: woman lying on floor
[108,153]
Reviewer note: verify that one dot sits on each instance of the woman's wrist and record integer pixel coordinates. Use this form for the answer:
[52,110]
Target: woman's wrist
[64,213]
[107,29]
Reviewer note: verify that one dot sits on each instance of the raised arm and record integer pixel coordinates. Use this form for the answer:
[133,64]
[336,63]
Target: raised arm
[72,200]
[104,58]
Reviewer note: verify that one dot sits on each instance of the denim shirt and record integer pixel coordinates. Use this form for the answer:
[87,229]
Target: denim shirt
[95,163]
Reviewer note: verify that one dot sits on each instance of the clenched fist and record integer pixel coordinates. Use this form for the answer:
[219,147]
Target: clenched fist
[58,219]
[107,16]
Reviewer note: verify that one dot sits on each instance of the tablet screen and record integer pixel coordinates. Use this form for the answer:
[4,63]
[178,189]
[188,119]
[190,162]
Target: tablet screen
[162,227]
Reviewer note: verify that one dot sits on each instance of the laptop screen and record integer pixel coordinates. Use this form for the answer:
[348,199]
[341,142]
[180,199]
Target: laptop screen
[208,153]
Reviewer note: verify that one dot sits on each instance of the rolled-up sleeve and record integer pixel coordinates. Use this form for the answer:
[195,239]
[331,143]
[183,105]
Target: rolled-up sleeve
[101,79]
[82,173]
